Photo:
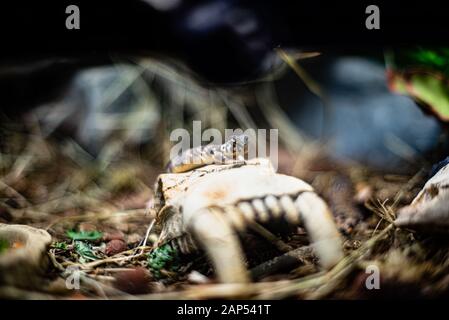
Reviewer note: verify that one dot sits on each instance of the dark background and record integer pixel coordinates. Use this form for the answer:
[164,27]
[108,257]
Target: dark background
[36,30]
[39,26]
[34,39]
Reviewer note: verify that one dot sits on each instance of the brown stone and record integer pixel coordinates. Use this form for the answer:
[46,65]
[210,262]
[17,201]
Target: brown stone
[115,246]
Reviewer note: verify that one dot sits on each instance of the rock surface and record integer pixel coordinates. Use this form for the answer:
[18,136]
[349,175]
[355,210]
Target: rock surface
[26,260]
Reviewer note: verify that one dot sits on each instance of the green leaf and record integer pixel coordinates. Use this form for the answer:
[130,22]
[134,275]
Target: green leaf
[423,58]
[84,235]
[430,90]
[60,245]
[163,258]
[85,250]
[423,74]
[4,245]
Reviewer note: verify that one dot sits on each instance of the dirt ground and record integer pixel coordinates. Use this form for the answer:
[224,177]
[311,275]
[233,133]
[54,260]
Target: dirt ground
[57,187]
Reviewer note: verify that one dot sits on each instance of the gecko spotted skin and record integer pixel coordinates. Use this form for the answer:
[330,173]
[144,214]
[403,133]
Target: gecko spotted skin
[232,151]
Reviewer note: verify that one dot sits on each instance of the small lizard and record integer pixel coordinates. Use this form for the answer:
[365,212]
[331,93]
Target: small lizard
[232,151]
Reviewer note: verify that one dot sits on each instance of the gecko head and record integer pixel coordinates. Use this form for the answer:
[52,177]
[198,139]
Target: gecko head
[239,143]
[240,140]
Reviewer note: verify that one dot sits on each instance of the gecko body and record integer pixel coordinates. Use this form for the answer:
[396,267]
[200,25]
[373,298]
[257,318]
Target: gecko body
[233,150]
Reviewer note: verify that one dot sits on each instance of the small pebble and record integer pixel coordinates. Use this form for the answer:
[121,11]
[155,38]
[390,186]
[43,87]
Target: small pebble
[134,238]
[363,193]
[134,281]
[196,277]
[115,246]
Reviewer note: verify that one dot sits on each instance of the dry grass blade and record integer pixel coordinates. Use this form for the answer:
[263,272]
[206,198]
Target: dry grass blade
[319,286]
[302,73]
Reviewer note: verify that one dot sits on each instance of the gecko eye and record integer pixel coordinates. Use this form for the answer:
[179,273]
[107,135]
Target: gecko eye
[241,140]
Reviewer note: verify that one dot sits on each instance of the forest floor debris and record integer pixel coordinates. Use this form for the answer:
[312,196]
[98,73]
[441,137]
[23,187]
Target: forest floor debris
[99,223]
